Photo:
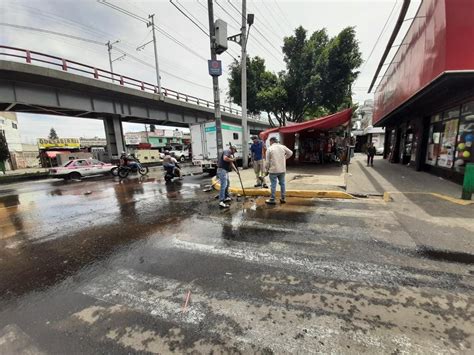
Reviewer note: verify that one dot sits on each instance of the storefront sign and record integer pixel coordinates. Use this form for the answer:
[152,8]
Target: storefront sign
[132,140]
[68,143]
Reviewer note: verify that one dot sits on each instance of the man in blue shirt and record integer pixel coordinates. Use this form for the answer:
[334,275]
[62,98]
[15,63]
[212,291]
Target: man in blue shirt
[258,161]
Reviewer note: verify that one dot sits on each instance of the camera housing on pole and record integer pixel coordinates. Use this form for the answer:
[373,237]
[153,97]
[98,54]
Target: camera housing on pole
[221,36]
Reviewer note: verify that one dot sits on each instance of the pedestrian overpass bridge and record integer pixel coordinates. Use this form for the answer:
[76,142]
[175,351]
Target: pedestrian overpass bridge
[57,86]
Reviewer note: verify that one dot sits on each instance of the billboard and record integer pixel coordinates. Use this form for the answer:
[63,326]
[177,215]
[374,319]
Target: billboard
[67,143]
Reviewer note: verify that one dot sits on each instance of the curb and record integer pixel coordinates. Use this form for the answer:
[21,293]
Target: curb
[387,197]
[289,193]
[8,179]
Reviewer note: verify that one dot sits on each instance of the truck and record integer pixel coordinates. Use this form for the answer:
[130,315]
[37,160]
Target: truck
[204,145]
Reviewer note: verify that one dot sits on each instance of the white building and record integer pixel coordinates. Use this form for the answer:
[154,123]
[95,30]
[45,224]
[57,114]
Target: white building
[21,155]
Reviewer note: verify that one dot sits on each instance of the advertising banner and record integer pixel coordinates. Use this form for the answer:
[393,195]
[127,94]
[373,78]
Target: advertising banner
[68,143]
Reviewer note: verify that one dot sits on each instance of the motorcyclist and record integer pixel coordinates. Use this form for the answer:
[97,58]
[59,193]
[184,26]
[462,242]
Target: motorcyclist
[169,162]
[128,160]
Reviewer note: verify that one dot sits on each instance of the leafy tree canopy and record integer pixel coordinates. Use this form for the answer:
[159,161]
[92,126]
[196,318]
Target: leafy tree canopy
[53,134]
[319,73]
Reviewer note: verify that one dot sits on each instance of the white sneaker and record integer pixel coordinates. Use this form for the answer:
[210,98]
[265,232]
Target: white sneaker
[223,205]
[228,199]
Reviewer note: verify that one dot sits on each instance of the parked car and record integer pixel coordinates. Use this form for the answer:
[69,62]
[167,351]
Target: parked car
[181,153]
[78,168]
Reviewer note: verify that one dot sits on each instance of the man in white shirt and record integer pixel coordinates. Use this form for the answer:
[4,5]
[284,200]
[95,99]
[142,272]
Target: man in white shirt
[276,158]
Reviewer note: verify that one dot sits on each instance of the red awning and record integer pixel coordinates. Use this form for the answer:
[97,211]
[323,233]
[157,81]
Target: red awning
[52,153]
[321,124]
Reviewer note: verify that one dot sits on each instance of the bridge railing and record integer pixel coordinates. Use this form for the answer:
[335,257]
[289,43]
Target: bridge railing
[51,61]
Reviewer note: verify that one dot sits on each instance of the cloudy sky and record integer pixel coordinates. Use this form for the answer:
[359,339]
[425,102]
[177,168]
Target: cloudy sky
[183,67]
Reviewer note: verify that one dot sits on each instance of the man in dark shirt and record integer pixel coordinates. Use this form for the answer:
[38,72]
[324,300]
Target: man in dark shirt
[370,154]
[258,161]
[224,165]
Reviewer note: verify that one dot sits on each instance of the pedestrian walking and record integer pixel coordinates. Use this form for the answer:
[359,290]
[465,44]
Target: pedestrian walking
[276,158]
[258,160]
[370,154]
[224,166]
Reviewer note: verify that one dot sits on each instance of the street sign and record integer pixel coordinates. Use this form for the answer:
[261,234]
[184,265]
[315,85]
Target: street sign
[215,67]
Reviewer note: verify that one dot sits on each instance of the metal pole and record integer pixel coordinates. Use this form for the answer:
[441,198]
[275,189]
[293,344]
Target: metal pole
[215,80]
[109,49]
[243,64]
[157,67]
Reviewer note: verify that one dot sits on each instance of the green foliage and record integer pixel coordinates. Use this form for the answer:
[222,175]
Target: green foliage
[319,73]
[4,153]
[53,134]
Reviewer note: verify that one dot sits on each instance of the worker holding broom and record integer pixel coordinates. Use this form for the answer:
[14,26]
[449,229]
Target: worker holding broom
[224,166]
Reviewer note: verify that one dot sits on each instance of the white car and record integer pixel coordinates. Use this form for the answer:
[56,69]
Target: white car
[78,168]
[180,155]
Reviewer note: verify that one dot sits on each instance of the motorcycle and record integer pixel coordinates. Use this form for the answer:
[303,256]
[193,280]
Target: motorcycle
[169,172]
[124,170]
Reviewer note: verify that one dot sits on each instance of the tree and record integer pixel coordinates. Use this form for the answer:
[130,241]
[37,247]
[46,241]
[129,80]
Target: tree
[53,134]
[152,128]
[258,79]
[317,80]
[4,152]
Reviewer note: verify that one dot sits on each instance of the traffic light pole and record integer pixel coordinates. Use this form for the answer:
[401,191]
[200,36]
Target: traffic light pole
[215,81]
[245,138]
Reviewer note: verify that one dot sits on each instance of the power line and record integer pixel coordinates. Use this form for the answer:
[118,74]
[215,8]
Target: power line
[159,29]
[87,28]
[51,32]
[256,29]
[256,39]
[283,15]
[274,18]
[266,23]
[379,36]
[189,18]
[194,22]
[101,44]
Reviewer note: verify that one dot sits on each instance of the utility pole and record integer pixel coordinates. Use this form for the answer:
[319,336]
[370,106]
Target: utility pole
[243,60]
[215,80]
[157,67]
[109,49]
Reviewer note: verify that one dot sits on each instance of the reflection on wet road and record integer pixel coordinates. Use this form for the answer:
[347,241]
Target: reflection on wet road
[137,265]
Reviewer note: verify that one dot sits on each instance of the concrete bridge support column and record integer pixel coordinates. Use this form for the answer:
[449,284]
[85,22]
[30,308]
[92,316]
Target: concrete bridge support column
[114,136]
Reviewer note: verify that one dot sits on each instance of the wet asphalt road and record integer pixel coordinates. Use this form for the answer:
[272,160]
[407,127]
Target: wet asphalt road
[139,266]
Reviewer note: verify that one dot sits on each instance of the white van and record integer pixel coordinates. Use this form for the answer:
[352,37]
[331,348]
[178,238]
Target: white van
[204,144]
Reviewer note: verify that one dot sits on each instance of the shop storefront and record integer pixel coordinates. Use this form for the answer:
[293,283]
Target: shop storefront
[426,96]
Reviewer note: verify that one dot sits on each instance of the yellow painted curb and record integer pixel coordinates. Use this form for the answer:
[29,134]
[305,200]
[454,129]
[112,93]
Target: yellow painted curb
[387,197]
[289,193]
[457,201]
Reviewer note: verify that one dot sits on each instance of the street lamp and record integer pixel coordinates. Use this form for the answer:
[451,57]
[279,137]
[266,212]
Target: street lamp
[241,39]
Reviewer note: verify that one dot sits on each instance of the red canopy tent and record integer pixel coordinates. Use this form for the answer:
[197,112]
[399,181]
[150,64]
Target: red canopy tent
[324,123]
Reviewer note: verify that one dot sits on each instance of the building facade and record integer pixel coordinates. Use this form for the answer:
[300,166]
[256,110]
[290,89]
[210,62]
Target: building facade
[426,96]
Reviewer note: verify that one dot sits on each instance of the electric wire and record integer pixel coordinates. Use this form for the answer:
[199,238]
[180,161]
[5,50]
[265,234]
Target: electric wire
[258,31]
[272,15]
[380,35]
[284,16]
[194,22]
[160,30]
[101,44]
[265,23]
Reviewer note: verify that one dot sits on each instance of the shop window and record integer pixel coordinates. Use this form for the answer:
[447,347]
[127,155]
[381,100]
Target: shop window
[465,138]
[236,136]
[442,139]
[14,125]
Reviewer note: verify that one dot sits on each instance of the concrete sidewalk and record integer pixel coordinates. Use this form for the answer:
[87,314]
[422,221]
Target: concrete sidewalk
[24,171]
[395,178]
[326,181]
